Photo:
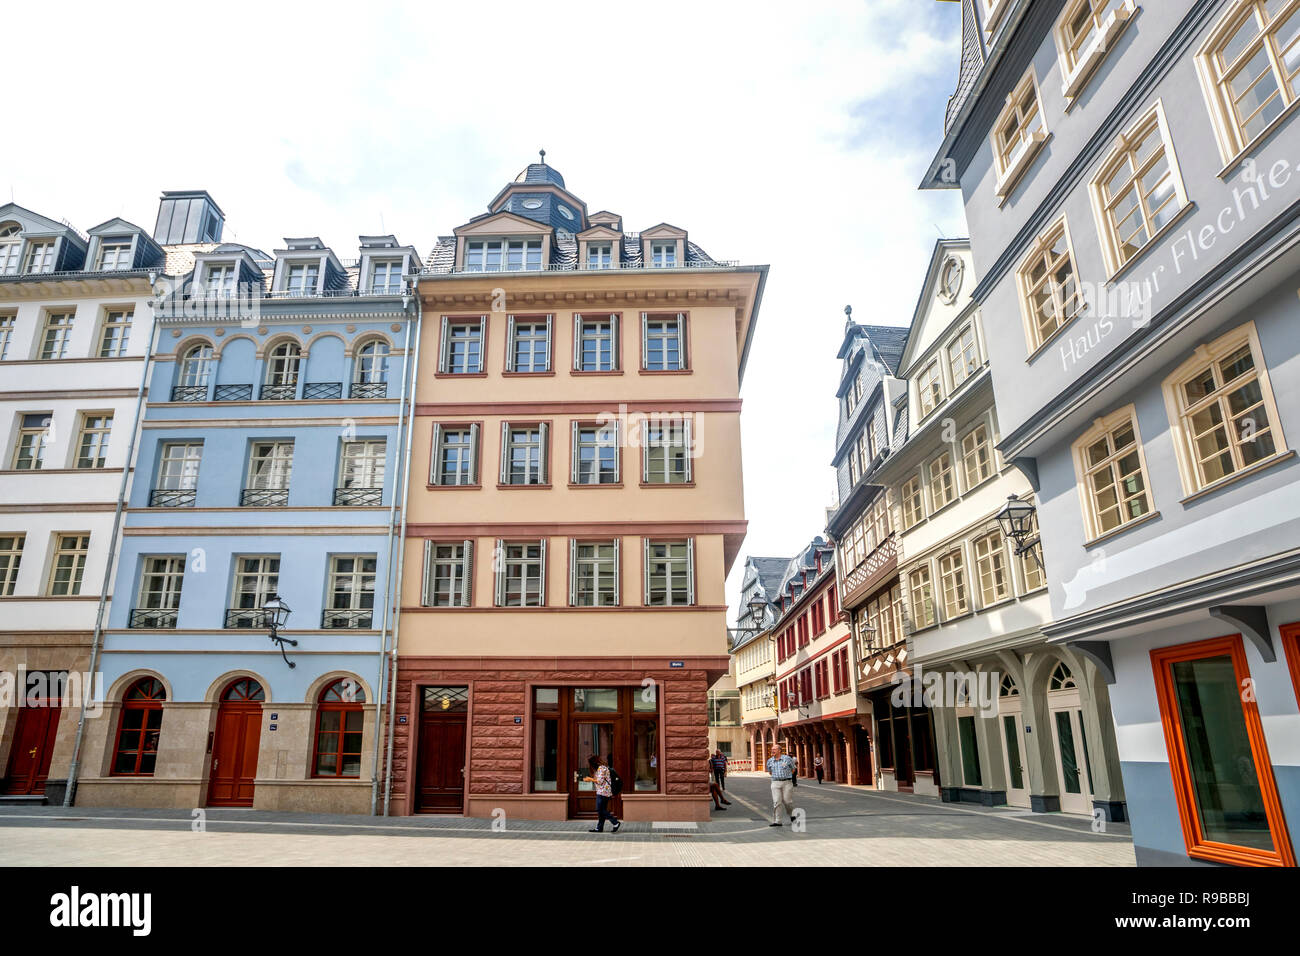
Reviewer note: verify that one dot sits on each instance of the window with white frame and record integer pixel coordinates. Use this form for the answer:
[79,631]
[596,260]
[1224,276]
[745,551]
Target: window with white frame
[56,333]
[270,465]
[32,441]
[351,590]
[593,573]
[600,255]
[977,455]
[528,346]
[11,558]
[521,573]
[666,451]
[11,245]
[219,278]
[1031,561]
[930,387]
[178,465]
[1018,131]
[952,579]
[663,255]
[1112,473]
[1049,286]
[361,464]
[69,564]
[448,573]
[663,342]
[371,365]
[7,322]
[282,365]
[462,346]
[115,253]
[1082,35]
[386,276]
[40,257]
[669,573]
[963,355]
[1222,407]
[1249,67]
[92,443]
[595,343]
[913,501]
[115,333]
[455,454]
[161,579]
[524,453]
[302,277]
[503,255]
[256,580]
[942,487]
[1138,190]
[196,367]
[991,567]
[595,454]
[921,592]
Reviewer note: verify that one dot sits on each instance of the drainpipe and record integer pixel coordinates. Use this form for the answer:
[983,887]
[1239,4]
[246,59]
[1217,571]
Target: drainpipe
[97,639]
[403,450]
[395,595]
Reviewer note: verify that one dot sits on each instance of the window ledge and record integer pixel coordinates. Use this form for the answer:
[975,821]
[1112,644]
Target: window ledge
[504,487]
[667,484]
[1096,52]
[1264,463]
[527,374]
[1126,526]
[666,371]
[432,487]
[1006,182]
[460,374]
[614,371]
[1151,243]
[587,484]
[1264,135]
[1042,346]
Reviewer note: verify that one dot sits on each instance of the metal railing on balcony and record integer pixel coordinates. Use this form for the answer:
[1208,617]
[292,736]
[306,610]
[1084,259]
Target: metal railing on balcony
[278,393]
[152,617]
[358,618]
[172,498]
[248,618]
[359,497]
[368,390]
[190,393]
[233,393]
[322,390]
[264,498]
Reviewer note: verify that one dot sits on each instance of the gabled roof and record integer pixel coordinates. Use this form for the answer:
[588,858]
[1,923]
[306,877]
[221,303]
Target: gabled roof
[115,226]
[12,210]
[924,301]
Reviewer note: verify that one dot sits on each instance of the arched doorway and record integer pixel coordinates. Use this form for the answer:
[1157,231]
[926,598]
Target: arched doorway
[1069,740]
[235,745]
[1012,726]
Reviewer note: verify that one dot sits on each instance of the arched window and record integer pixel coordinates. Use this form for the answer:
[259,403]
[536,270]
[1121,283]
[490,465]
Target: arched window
[339,720]
[282,364]
[372,363]
[1061,678]
[196,366]
[136,751]
[1008,688]
[243,690]
[11,244]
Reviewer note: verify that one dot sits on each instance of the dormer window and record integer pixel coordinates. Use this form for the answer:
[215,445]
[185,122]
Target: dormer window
[11,244]
[303,278]
[40,257]
[386,277]
[600,255]
[115,253]
[663,255]
[220,279]
[508,255]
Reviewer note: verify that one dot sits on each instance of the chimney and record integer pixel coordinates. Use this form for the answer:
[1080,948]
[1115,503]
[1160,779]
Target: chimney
[188,216]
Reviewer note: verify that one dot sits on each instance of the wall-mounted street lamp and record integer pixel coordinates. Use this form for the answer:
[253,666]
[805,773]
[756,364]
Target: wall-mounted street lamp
[757,605]
[276,616]
[1016,519]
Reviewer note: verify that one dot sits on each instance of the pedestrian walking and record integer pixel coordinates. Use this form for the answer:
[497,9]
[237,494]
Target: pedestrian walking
[782,768]
[817,767]
[714,790]
[720,768]
[604,794]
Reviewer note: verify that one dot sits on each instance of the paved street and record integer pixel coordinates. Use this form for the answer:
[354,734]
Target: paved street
[844,827]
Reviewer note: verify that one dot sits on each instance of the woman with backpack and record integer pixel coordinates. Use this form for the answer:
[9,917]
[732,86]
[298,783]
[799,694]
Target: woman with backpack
[602,778]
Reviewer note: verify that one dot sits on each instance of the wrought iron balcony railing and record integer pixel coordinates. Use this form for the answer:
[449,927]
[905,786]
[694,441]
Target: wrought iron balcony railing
[358,618]
[264,498]
[190,393]
[152,617]
[172,498]
[359,497]
[278,393]
[248,618]
[233,393]
[322,390]
[368,390]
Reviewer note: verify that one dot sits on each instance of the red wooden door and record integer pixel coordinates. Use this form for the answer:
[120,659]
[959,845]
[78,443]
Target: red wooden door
[234,754]
[33,746]
[441,764]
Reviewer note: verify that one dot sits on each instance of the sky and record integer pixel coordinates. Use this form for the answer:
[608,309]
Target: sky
[775,134]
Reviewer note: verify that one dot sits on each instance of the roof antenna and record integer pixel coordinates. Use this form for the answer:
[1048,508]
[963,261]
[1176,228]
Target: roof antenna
[542,153]
[848,315]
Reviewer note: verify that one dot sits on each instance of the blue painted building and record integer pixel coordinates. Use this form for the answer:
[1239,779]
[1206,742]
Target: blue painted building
[269,461]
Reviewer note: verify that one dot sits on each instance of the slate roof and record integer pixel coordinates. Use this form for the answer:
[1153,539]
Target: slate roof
[972,61]
[770,572]
[887,342]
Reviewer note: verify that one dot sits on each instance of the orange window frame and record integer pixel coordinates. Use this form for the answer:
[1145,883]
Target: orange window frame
[1291,645]
[1197,846]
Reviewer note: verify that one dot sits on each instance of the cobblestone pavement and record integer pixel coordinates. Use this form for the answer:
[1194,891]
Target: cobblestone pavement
[845,826]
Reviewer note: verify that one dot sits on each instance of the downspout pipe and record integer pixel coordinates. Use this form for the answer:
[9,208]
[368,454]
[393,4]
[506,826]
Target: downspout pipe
[394,594]
[97,639]
[403,451]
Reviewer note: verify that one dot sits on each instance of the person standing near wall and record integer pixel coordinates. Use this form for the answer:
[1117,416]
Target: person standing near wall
[782,768]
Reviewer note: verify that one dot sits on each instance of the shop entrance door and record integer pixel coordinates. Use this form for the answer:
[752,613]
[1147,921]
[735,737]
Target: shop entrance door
[588,737]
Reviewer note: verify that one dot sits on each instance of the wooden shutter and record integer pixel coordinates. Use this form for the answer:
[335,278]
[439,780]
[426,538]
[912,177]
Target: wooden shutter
[428,562]
[615,360]
[444,347]
[541,586]
[681,341]
[577,342]
[499,561]
[510,343]
[645,571]
[618,451]
[544,454]
[573,572]
[473,453]
[644,428]
[482,342]
[550,327]
[618,574]
[467,574]
[690,571]
[435,462]
[505,452]
[573,454]
[645,340]
[686,437]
